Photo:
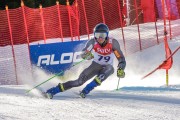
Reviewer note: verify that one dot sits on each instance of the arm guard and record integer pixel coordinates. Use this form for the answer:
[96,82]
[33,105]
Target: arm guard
[119,55]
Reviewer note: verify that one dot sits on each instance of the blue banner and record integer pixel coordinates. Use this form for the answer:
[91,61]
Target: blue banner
[56,57]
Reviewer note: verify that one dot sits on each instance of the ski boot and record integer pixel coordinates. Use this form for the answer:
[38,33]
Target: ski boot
[82,94]
[48,95]
[51,92]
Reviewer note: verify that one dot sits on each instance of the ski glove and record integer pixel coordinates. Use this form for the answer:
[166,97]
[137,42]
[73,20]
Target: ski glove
[120,73]
[87,55]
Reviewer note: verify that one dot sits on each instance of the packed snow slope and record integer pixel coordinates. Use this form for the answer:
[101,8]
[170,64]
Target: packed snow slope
[136,99]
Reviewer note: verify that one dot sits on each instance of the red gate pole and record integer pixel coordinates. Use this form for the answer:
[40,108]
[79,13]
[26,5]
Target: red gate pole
[25,22]
[27,35]
[85,16]
[77,19]
[165,37]
[122,30]
[135,4]
[59,18]
[69,15]
[42,21]
[102,11]
[157,36]
[12,44]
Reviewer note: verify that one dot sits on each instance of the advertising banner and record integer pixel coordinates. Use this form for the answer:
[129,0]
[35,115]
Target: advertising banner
[56,57]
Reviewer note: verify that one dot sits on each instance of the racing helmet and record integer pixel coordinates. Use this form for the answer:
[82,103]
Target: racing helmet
[101,30]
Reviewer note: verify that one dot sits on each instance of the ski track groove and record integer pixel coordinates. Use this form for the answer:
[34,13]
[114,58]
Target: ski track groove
[98,105]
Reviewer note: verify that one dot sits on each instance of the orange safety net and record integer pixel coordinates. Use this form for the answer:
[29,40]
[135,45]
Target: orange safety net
[44,23]
[4,29]
[75,20]
[61,21]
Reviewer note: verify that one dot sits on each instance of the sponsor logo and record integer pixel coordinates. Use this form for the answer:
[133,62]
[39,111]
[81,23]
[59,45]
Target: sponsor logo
[99,50]
[63,59]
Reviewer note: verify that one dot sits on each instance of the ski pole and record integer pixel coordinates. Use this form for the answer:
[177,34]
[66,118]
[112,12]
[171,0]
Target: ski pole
[118,84]
[54,76]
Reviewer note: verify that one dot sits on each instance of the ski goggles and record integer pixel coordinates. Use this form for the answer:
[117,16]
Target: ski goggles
[100,35]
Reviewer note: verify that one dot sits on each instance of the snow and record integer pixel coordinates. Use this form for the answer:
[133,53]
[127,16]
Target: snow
[135,99]
[125,104]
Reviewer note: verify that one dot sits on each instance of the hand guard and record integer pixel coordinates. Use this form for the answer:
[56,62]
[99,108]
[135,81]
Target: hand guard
[87,55]
[120,73]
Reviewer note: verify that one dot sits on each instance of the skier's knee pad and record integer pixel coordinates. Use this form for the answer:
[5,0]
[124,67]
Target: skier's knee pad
[98,80]
[61,87]
[82,79]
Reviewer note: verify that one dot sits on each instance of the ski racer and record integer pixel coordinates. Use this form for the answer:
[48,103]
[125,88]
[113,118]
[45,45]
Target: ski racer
[101,49]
